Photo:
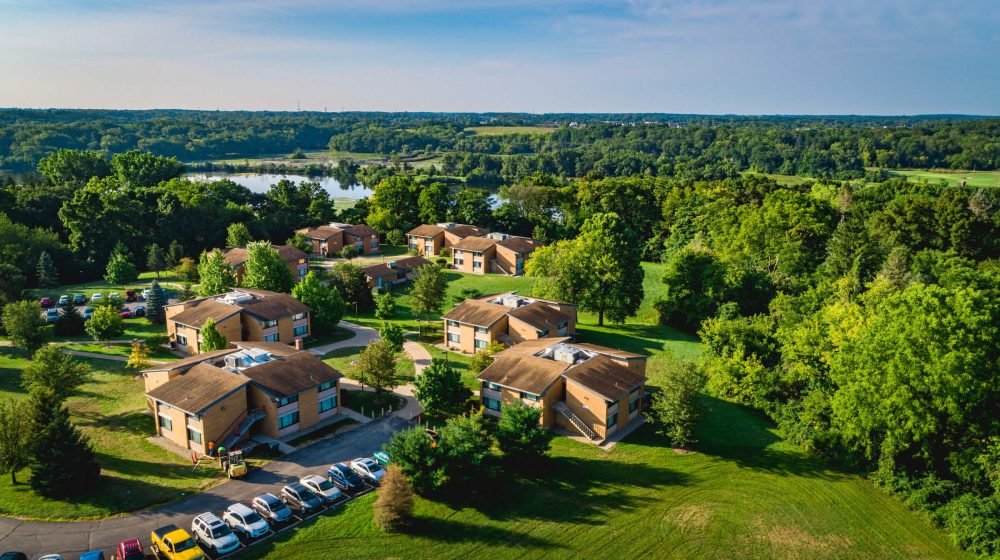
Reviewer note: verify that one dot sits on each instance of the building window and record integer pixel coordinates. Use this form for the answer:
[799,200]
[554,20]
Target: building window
[166,423]
[268,324]
[303,270]
[453,337]
[529,396]
[301,330]
[429,249]
[374,243]
[633,405]
[272,337]
[298,316]
[477,264]
[452,323]
[613,418]
[563,324]
[412,246]
[182,340]
[482,330]
[492,404]
[328,404]
[290,419]
[325,386]
[288,400]
[459,260]
[194,435]
[492,386]
[481,344]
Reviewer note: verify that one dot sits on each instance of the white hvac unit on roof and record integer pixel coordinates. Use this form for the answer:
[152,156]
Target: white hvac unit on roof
[236,297]
[565,355]
[446,225]
[496,235]
[339,225]
[513,301]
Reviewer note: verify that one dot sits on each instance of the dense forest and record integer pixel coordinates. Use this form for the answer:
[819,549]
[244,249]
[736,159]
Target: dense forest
[664,145]
[860,313]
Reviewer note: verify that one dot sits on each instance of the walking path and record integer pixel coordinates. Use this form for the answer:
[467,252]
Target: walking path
[363,336]
[421,357]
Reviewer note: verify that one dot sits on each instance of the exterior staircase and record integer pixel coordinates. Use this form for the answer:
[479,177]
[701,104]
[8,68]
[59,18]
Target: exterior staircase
[506,340]
[497,266]
[243,427]
[584,429]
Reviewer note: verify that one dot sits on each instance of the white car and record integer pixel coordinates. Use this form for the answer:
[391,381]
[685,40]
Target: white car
[368,469]
[322,487]
[213,533]
[245,521]
[95,298]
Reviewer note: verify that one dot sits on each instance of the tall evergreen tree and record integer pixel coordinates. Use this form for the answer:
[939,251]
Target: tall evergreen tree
[47,273]
[175,252]
[70,322]
[154,304]
[211,338]
[216,274]
[155,259]
[237,235]
[63,462]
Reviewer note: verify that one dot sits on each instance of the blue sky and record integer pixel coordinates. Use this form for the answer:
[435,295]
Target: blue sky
[680,56]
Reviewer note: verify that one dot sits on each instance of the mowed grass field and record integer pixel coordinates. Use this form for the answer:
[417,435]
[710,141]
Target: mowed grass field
[981,179]
[111,410]
[502,130]
[744,494]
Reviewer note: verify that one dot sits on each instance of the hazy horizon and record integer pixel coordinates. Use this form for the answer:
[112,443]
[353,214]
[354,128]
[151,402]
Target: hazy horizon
[714,57]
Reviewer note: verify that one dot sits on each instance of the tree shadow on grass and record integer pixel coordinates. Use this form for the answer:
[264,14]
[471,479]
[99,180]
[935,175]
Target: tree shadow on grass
[455,532]
[743,435]
[567,490]
[641,339]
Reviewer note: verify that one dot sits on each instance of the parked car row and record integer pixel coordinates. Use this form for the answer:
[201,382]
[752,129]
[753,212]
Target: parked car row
[80,299]
[213,536]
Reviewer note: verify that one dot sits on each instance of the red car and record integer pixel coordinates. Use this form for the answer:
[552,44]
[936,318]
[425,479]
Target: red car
[45,302]
[129,549]
[130,295]
[125,313]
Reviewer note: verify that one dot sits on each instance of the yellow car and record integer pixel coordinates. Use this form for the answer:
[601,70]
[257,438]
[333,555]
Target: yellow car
[173,543]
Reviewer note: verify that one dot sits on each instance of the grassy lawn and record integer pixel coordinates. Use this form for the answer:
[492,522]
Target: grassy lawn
[501,130]
[111,410]
[341,360]
[953,178]
[743,494]
[124,350]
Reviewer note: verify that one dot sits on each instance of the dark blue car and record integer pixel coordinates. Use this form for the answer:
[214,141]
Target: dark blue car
[344,477]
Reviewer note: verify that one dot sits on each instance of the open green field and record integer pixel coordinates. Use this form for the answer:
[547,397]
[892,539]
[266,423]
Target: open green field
[743,494]
[111,410]
[501,130]
[312,156]
[952,178]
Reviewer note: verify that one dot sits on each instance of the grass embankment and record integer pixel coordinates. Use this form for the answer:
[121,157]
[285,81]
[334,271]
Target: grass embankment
[111,410]
[744,494]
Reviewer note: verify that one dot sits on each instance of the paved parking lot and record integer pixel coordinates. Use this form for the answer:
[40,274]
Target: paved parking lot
[73,538]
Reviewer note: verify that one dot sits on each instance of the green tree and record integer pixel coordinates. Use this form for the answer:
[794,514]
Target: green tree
[120,270]
[393,508]
[155,313]
[52,370]
[326,303]
[63,462]
[23,324]
[520,436]
[377,368]
[216,275]
[136,168]
[266,270]
[300,242]
[696,285]
[434,203]
[138,358]
[467,451]
[155,259]
[211,338]
[187,269]
[350,281]
[385,306]
[186,293]
[11,283]
[47,273]
[472,206]
[395,237]
[483,358]
[105,324]
[600,270]
[70,322]
[392,334]
[468,293]
[676,408]
[428,292]
[175,252]
[348,252]
[418,458]
[73,167]
[238,235]
[439,387]
[15,436]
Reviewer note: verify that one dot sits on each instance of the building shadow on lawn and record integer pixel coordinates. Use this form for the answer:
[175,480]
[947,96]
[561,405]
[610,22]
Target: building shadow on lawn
[641,339]
[567,490]
[745,436]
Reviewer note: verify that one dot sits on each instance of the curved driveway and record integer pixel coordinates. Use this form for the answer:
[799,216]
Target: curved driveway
[74,537]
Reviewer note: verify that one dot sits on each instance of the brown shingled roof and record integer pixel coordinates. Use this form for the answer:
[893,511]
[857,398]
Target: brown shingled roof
[426,230]
[195,316]
[288,375]
[478,244]
[475,312]
[523,373]
[604,376]
[322,232]
[465,230]
[382,270]
[608,351]
[237,257]
[531,347]
[519,244]
[198,389]
[272,305]
[539,315]
[361,230]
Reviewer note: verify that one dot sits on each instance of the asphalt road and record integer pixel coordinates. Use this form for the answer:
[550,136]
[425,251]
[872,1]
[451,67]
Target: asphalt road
[70,539]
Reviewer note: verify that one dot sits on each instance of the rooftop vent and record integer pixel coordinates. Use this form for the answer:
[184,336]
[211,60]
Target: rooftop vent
[340,225]
[565,354]
[513,301]
[498,236]
[446,225]
[235,298]
[247,359]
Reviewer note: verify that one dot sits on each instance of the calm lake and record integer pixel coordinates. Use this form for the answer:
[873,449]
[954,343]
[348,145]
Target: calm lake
[260,182]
